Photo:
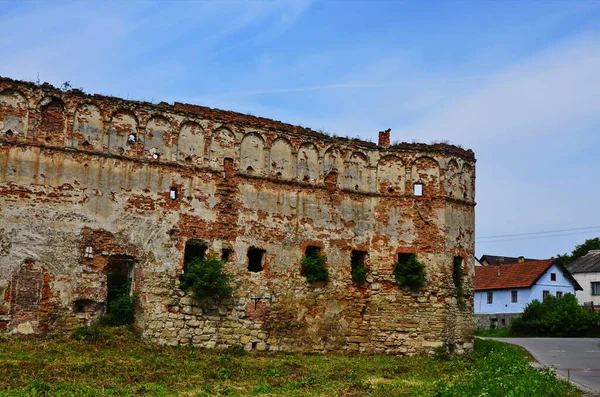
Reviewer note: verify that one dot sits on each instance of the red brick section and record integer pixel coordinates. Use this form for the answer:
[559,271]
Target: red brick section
[518,275]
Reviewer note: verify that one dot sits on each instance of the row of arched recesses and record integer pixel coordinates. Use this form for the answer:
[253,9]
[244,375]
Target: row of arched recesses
[164,139]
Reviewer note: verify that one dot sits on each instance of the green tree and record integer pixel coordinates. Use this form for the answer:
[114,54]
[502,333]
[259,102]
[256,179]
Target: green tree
[579,251]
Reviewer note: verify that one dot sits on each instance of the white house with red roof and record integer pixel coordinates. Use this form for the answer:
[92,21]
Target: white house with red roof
[502,292]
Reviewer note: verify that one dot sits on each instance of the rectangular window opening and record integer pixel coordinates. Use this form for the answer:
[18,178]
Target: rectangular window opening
[226,254]
[559,294]
[490,298]
[403,257]
[312,251]
[194,249]
[596,288]
[493,323]
[418,189]
[545,294]
[255,259]
[553,276]
[173,193]
[514,296]
[358,258]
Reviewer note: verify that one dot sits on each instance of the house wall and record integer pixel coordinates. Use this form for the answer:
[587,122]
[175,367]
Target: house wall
[585,280]
[502,298]
[85,181]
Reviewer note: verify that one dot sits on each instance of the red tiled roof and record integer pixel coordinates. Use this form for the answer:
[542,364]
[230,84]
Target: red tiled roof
[517,275]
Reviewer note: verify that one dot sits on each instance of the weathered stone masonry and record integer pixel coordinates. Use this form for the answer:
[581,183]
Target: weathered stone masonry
[92,182]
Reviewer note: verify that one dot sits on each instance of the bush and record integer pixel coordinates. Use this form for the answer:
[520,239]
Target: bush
[121,311]
[556,317]
[359,274]
[206,278]
[410,273]
[313,267]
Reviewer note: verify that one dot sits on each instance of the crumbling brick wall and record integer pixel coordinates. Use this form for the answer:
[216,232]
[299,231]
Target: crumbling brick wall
[87,182]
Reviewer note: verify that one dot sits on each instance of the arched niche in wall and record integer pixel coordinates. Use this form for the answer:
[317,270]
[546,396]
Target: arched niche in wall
[426,170]
[333,160]
[157,139]
[281,159]
[308,163]
[123,133]
[467,183]
[252,155]
[357,172]
[14,114]
[391,175]
[191,143]
[222,146]
[88,129]
[51,121]
[452,180]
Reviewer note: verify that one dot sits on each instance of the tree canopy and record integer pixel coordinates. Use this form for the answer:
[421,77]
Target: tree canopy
[579,251]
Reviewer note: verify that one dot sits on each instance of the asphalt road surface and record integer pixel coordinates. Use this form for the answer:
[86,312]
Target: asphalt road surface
[579,356]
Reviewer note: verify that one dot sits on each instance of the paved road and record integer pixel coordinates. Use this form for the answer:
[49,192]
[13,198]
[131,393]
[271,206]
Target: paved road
[580,355]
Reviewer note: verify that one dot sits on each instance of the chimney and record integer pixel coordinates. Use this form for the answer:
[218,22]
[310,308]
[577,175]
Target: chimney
[521,259]
[384,138]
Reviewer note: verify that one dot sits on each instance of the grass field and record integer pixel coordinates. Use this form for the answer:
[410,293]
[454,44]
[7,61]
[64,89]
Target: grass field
[118,363]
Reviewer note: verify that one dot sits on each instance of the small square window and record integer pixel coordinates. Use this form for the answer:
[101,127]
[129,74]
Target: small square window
[553,276]
[490,298]
[173,193]
[514,296]
[403,257]
[596,288]
[255,259]
[418,189]
[226,254]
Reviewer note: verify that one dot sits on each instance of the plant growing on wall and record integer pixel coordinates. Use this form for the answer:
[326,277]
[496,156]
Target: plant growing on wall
[410,273]
[313,267]
[359,274]
[206,278]
[121,305]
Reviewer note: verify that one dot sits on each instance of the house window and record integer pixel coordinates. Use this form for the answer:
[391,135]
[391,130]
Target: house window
[559,294]
[418,189]
[490,298]
[552,276]
[514,296]
[545,294]
[596,288]
[255,259]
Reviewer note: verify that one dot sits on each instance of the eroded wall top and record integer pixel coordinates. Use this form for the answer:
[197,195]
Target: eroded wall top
[196,136]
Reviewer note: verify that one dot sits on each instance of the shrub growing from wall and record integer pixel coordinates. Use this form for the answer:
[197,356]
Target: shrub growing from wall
[410,273]
[313,267]
[206,278]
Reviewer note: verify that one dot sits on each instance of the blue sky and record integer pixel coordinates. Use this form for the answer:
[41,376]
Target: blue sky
[516,81]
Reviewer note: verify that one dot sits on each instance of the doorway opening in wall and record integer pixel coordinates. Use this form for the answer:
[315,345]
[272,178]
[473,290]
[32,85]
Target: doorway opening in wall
[226,254]
[118,278]
[493,323]
[195,248]
[312,251]
[255,259]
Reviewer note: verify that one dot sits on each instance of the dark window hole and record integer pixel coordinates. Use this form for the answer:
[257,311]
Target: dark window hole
[403,257]
[312,251]
[255,259]
[226,254]
[194,249]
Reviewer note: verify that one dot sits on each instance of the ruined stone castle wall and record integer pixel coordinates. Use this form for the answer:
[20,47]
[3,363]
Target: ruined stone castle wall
[87,182]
